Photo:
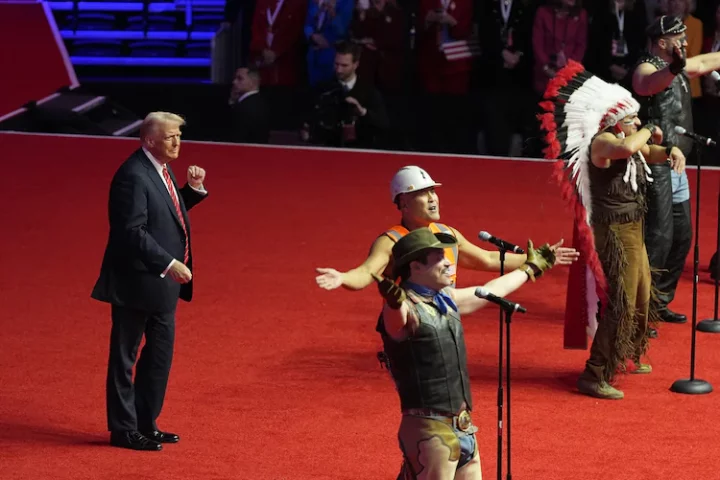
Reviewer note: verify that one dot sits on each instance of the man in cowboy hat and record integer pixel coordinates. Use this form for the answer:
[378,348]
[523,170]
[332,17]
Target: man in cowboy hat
[423,339]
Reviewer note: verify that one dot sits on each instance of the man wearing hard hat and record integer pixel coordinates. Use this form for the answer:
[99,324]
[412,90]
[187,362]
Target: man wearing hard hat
[413,191]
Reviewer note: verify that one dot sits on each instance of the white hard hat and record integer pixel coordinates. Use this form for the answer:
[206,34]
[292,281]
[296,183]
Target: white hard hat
[410,179]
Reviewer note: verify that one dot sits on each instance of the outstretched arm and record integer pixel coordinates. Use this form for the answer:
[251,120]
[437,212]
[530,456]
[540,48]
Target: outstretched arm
[473,257]
[360,276]
[467,302]
[538,261]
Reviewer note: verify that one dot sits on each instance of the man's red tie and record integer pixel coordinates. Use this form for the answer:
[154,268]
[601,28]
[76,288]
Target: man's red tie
[176,202]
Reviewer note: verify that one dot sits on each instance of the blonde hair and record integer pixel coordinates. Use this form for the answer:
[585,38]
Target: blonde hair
[153,119]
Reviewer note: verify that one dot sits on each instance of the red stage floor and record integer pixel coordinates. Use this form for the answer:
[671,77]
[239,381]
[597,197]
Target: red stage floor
[274,378]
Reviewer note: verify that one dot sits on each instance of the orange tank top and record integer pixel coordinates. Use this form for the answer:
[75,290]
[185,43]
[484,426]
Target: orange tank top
[451,254]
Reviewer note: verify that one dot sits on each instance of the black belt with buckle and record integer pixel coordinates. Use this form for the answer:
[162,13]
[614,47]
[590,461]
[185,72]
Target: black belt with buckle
[461,421]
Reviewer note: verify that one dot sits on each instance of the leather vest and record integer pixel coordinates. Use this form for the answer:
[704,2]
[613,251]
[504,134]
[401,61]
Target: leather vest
[613,200]
[430,365]
[669,108]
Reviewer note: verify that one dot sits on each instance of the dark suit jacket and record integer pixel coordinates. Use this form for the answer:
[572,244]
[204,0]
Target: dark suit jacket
[251,120]
[331,109]
[145,236]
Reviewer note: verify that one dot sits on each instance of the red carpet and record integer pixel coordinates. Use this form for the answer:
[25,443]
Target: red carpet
[276,379]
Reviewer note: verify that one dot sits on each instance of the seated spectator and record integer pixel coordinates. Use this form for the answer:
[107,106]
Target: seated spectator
[347,112]
[250,114]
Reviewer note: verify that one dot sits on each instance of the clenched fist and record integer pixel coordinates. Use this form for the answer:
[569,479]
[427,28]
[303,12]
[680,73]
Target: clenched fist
[196,176]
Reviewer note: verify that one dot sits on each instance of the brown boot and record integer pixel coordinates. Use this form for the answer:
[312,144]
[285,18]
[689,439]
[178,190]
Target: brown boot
[599,389]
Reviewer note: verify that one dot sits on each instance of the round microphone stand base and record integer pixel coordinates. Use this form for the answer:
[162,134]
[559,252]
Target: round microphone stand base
[691,387]
[710,325]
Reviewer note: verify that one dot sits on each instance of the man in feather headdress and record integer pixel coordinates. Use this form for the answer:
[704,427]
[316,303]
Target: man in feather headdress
[594,129]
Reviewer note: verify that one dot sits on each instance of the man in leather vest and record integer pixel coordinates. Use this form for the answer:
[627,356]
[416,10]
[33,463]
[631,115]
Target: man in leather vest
[423,339]
[661,80]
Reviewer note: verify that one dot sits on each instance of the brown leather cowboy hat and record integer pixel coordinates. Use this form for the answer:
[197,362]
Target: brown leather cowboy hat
[411,246]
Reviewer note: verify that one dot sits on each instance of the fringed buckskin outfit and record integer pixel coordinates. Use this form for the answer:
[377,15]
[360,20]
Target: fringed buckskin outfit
[609,205]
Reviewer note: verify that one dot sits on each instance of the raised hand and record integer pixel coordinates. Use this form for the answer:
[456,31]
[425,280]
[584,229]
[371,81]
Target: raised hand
[540,259]
[678,62]
[329,278]
[564,255]
[392,293]
[196,176]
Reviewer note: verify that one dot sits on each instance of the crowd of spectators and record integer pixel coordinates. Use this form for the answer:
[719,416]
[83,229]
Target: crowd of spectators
[450,76]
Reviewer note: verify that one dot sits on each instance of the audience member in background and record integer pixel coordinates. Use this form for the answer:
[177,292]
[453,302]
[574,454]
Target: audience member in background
[380,26]
[244,10]
[326,22]
[661,82]
[348,112]
[503,73]
[250,114]
[446,123]
[617,38]
[146,268]
[277,47]
[560,33]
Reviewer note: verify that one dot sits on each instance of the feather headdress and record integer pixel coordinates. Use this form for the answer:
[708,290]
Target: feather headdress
[577,106]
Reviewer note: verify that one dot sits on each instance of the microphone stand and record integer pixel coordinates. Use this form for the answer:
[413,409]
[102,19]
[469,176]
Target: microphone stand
[500,382]
[506,319]
[712,325]
[692,385]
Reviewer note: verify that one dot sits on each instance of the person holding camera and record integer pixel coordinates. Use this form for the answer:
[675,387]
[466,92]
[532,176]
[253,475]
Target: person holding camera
[347,113]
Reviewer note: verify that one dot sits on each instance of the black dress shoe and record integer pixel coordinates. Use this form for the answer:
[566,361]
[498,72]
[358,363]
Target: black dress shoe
[672,317]
[133,441]
[162,437]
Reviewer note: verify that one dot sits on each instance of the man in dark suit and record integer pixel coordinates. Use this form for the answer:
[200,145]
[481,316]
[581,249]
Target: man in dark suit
[250,113]
[147,266]
[348,112]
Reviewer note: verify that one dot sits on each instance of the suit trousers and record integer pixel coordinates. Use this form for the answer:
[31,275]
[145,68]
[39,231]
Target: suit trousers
[136,405]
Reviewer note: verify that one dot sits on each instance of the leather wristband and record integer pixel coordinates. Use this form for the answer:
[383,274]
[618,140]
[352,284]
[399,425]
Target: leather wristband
[676,67]
[668,149]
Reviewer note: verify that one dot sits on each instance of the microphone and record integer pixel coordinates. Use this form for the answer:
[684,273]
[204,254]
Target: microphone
[506,305]
[716,77]
[698,138]
[507,246]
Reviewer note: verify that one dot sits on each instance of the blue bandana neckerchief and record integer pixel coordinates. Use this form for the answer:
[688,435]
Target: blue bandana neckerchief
[441,299]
